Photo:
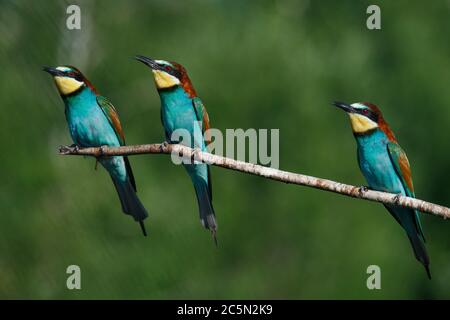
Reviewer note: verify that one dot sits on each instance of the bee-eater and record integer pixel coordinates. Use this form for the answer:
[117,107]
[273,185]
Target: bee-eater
[182,109]
[386,168]
[94,122]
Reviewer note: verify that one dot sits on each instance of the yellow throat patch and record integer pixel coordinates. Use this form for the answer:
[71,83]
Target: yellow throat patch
[361,124]
[67,85]
[164,80]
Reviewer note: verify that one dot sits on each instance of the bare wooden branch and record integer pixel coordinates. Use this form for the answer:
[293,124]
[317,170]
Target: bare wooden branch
[266,172]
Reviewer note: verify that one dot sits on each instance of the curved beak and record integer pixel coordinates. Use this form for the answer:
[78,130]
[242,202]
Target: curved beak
[53,71]
[147,61]
[344,106]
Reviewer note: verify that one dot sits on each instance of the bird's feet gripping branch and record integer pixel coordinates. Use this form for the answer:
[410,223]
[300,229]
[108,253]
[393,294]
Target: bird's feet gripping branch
[397,198]
[362,190]
[164,146]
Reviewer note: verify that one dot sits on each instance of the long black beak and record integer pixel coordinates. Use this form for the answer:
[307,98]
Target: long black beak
[53,71]
[147,61]
[344,106]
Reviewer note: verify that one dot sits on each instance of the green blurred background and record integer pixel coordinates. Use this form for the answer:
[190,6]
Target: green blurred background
[255,64]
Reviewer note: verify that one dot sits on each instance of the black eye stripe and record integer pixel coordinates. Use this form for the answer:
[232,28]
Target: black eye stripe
[170,70]
[74,75]
[164,67]
[369,114]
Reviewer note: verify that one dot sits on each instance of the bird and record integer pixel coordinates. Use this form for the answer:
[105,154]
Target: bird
[181,108]
[386,168]
[93,121]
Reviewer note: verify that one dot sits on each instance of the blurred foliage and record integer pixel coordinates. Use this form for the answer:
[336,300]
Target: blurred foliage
[255,64]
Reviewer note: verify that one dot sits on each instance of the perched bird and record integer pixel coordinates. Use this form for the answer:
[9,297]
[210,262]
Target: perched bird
[182,109]
[94,122]
[386,168]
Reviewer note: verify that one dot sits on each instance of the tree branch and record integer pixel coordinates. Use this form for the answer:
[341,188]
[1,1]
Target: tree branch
[266,172]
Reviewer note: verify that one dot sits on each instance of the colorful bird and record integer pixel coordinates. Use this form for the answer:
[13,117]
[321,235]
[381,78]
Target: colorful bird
[386,168]
[93,122]
[182,109]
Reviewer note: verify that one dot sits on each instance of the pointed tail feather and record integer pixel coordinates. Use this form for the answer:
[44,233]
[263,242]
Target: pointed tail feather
[207,214]
[131,204]
[141,223]
[420,252]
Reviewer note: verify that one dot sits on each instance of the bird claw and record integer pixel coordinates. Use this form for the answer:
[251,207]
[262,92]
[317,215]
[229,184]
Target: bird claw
[163,146]
[362,190]
[102,151]
[397,198]
[75,147]
[194,154]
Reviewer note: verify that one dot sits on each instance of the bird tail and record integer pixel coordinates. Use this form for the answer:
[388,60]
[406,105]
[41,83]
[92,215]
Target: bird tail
[420,252]
[204,199]
[131,204]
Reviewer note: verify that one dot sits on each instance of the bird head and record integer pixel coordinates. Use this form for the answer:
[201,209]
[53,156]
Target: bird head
[68,79]
[168,74]
[365,117]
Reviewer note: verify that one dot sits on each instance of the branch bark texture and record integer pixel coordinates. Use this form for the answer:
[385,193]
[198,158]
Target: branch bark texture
[262,171]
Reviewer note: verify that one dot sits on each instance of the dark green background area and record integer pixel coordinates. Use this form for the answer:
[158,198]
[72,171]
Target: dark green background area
[255,64]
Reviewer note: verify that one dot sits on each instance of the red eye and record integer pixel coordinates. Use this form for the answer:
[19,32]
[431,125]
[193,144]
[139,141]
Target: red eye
[167,68]
[365,111]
